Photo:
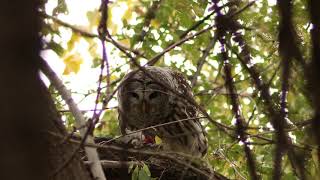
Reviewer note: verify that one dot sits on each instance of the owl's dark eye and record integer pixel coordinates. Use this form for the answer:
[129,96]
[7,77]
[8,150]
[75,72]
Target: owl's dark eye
[134,95]
[153,95]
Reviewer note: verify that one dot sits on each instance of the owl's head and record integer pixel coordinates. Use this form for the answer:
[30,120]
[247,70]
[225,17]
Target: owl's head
[142,101]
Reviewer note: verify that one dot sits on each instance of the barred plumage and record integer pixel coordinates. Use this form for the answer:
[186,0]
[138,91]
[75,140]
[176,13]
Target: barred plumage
[145,100]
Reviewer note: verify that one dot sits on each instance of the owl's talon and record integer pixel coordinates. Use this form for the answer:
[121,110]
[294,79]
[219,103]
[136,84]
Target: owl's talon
[137,143]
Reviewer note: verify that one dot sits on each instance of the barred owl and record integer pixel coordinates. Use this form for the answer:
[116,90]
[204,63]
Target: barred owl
[144,102]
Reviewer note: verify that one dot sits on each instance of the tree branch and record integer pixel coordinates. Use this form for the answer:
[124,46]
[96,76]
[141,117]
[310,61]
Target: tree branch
[202,60]
[87,34]
[80,123]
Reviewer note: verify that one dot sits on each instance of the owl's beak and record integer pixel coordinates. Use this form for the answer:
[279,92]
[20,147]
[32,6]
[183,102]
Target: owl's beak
[144,106]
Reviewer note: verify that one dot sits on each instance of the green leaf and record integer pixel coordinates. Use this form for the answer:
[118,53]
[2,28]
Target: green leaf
[130,168]
[135,174]
[143,175]
[146,169]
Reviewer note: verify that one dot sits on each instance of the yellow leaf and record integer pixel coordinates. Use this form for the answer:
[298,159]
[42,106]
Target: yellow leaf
[113,77]
[74,38]
[125,42]
[158,140]
[155,23]
[72,63]
[128,14]
[113,28]
[93,49]
[93,18]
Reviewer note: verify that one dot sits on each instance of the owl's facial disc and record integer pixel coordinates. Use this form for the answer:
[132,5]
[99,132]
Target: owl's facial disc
[146,101]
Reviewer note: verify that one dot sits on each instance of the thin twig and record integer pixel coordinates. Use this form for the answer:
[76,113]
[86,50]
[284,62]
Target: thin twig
[88,110]
[154,59]
[151,14]
[85,33]
[197,24]
[116,164]
[202,60]
[152,127]
[102,29]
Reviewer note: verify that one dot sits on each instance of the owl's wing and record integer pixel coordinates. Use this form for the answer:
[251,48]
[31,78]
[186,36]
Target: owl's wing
[182,85]
[186,108]
[123,122]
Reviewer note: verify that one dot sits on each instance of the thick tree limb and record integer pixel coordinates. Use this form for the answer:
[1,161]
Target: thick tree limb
[80,121]
[120,155]
[240,123]
[288,50]
[314,69]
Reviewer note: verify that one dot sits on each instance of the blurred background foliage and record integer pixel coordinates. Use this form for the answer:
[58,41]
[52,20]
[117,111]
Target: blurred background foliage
[149,27]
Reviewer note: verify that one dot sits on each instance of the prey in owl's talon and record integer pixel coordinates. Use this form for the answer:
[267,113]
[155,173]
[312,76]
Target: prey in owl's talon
[149,139]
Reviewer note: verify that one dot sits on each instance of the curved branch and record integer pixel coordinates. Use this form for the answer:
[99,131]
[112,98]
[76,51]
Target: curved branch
[80,123]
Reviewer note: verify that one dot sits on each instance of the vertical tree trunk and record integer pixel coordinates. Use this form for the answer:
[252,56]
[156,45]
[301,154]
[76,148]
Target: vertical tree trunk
[27,111]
